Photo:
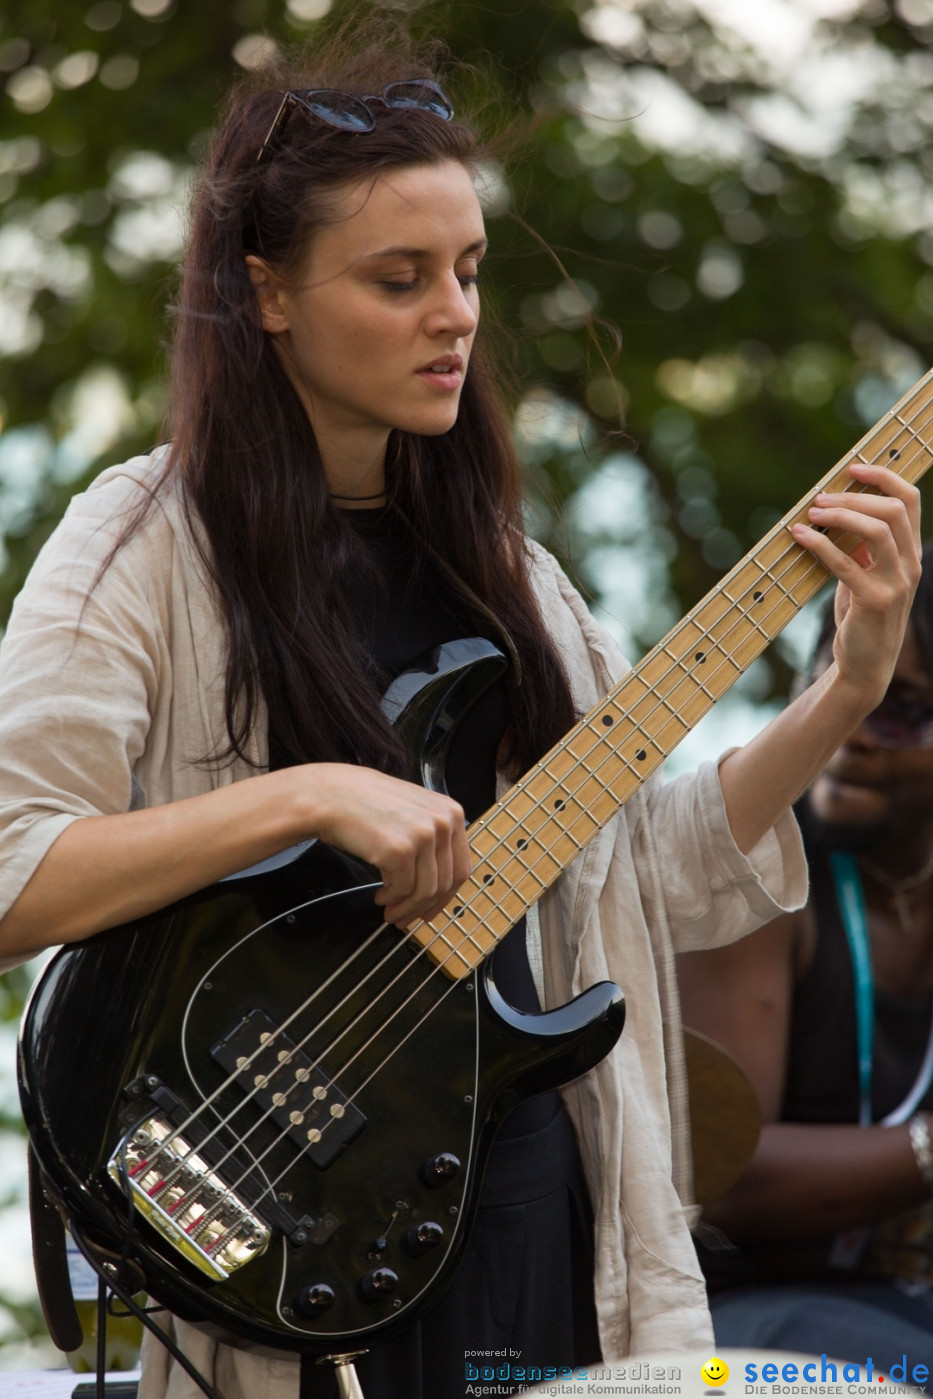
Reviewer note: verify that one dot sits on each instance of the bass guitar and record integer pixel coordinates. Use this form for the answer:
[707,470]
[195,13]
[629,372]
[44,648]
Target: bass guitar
[278,1108]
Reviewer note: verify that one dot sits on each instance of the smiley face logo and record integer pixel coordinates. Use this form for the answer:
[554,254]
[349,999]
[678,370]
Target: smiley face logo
[715,1372]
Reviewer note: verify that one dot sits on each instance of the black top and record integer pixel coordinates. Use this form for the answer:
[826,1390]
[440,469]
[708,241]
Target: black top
[822,1068]
[526,1277]
[403,608]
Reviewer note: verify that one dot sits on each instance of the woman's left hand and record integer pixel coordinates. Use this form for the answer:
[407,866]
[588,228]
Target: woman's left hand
[876,584]
[877,580]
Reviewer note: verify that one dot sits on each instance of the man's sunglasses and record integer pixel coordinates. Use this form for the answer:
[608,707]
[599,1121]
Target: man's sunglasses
[901,721]
[349,113]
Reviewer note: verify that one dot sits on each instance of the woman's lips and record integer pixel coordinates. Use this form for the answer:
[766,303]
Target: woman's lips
[448,379]
[446,371]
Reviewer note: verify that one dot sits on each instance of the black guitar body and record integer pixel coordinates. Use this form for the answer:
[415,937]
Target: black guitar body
[278,1108]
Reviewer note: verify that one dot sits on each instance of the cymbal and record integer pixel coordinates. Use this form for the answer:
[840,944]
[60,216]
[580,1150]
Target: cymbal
[725,1116]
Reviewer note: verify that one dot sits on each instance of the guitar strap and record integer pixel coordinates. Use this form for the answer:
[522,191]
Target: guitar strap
[50,1258]
[53,1283]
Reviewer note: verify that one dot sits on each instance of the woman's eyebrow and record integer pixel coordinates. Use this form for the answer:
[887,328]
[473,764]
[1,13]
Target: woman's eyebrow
[479,246]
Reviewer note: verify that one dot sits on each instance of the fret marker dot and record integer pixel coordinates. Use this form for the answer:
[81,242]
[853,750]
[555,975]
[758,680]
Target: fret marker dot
[700,657]
[488,878]
[894,453]
[641,755]
[559,804]
[458,910]
[522,843]
[757,596]
[607,719]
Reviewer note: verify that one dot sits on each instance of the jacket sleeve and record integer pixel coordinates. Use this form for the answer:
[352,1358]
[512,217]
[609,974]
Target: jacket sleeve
[713,893]
[80,664]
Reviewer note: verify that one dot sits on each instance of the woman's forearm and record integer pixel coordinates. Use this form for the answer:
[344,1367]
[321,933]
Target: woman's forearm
[764,777]
[106,870]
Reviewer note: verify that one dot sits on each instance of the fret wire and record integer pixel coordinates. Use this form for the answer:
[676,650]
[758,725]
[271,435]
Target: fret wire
[790,553]
[613,753]
[719,646]
[498,904]
[793,556]
[637,731]
[908,428]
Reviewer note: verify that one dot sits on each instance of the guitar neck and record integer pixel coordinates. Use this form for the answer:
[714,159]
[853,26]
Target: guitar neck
[523,843]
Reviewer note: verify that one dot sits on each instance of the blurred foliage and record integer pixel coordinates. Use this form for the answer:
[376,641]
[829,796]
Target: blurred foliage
[741,190]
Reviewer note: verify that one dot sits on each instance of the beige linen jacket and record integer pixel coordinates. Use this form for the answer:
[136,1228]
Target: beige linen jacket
[114,713]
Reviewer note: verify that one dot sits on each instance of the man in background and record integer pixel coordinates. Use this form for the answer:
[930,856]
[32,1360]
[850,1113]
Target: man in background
[826,1243]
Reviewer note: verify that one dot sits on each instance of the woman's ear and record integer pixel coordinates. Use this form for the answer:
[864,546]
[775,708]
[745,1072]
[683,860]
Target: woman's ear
[269,295]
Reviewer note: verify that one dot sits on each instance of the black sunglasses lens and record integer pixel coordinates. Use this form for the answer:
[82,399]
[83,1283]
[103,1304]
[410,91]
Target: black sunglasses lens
[340,110]
[423,95]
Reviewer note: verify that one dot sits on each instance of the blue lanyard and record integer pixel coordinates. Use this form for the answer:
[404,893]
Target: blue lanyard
[851,901]
[848,882]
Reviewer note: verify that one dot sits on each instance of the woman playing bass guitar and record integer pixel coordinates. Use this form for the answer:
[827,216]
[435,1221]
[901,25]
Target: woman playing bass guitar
[192,675]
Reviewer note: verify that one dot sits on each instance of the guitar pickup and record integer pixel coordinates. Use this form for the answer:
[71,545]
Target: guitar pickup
[283,1081]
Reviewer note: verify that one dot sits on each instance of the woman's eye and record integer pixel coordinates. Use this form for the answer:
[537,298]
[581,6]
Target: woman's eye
[399,286]
[469,279]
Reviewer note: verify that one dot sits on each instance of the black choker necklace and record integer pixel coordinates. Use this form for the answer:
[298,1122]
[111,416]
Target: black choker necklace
[378,496]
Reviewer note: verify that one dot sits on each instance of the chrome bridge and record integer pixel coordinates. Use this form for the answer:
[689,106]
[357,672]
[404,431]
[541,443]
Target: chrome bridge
[186,1201]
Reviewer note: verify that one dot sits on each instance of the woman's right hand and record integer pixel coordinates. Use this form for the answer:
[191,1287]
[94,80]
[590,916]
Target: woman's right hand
[102,871]
[415,838]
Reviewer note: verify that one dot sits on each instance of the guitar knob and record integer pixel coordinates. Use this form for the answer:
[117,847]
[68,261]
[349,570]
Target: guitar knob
[440,1169]
[378,1284]
[313,1300]
[422,1238]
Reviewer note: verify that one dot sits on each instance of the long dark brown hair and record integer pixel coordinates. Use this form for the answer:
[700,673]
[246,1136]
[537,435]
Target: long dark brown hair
[245,453]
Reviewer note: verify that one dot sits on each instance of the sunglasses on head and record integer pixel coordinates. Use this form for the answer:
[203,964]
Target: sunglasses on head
[348,113]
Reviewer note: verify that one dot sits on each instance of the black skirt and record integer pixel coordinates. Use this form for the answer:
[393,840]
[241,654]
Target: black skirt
[522,1298]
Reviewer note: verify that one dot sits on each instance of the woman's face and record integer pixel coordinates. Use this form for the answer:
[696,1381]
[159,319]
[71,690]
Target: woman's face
[377,332]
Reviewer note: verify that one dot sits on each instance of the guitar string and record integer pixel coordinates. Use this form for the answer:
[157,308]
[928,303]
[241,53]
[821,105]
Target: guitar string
[384,1024]
[378,1068]
[525,823]
[539,834]
[209,1101]
[453,951]
[282,1064]
[207,1218]
[835,472]
[798,553]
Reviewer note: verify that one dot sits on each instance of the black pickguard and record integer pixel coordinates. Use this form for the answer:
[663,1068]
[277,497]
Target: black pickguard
[399,1070]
